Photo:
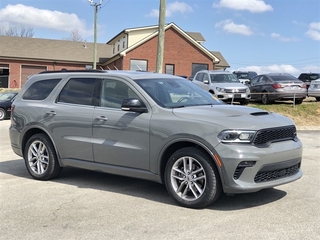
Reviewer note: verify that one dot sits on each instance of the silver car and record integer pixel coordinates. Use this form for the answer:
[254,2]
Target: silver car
[151,126]
[272,87]
[223,85]
[314,89]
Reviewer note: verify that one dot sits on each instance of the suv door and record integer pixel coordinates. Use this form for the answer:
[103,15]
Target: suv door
[120,138]
[200,78]
[70,119]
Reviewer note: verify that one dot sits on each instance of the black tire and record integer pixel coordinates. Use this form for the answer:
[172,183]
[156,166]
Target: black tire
[298,101]
[40,158]
[196,187]
[265,98]
[2,114]
[244,102]
[318,99]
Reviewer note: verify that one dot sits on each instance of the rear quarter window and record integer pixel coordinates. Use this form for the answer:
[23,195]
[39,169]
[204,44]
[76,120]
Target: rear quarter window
[40,90]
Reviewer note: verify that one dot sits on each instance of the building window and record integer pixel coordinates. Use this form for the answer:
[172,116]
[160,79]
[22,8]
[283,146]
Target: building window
[118,45]
[169,69]
[123,42]
[138,65]
[196,67]
[114,48]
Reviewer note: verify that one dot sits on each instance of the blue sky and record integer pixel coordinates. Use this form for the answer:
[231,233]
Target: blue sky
[257,35]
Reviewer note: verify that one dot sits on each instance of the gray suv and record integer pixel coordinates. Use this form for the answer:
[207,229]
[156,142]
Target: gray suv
[223,85]
[152,126]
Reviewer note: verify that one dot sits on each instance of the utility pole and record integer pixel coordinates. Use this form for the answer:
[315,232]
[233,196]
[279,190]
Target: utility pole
[162,16]
[96,6]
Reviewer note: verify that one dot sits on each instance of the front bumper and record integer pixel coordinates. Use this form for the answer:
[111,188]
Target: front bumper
[274,165]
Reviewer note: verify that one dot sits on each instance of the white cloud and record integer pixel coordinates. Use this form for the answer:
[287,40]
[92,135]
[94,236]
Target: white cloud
[230,27]
[255,6]
[20,14]
[314,31]
[283,39]
[172,8]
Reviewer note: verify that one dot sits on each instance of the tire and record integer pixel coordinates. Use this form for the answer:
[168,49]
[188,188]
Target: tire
[244,102]
[265,98]
[2,114]
[40,158]
[181,183]
[298,101]
[318,99]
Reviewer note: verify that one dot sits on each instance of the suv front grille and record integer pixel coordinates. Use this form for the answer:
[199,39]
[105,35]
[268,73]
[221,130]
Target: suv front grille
[266,136]
[276,174]
[236,90]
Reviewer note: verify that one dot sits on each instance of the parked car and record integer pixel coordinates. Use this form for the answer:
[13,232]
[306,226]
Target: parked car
[152,126]
[314,89]
[308,77]
[245,77]
[268,88]
[224,85]
[6,99]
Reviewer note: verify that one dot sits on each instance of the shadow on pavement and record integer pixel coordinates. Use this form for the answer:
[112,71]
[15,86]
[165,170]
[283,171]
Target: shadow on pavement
[141,188]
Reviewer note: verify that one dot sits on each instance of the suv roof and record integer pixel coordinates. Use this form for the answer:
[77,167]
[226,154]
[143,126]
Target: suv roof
[216,71]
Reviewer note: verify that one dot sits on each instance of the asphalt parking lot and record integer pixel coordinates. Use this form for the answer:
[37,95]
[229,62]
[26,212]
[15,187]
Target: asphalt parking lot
[89,205]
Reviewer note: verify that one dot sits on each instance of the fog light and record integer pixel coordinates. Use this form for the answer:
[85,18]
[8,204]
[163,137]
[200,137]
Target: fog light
[247,164]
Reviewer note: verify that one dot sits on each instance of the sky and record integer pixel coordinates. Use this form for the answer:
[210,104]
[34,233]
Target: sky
[253,35]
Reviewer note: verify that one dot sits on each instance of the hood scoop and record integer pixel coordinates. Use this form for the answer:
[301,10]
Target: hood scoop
[259,113]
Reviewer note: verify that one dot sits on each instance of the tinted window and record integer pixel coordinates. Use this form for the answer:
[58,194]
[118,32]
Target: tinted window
[113,92]
[78,91]
[40,90]
[282,77]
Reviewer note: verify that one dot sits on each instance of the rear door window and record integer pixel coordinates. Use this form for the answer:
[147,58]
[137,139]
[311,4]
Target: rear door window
[78,91]
[40,90]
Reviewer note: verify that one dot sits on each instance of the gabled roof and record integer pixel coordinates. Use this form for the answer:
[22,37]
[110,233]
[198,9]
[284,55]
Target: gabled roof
[223,63]
[197,36]
[187,36]
[51,50]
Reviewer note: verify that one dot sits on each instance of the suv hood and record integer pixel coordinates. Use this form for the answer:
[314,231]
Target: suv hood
[229,85]
[231,115]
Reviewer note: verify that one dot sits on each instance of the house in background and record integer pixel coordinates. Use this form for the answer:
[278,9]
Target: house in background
[131,49]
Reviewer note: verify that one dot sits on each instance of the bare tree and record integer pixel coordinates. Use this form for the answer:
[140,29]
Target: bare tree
[75,36]
[17,31]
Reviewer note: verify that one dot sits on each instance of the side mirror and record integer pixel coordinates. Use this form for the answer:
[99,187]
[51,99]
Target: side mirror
[133,105]
[206,81]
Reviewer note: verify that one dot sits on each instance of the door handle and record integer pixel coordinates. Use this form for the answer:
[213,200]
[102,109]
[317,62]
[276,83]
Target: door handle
[51,113]
[102,118]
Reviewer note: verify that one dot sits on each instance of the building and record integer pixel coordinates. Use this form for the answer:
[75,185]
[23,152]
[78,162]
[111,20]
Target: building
[131,49]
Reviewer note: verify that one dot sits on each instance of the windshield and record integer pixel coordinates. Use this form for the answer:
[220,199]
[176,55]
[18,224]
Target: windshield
[175,93]
[242,75]
[7,96]
[285,77]
[223,78]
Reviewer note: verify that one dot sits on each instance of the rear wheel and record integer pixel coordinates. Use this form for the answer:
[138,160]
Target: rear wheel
[191,178]
[265,98]
[318,99]
[2,114]
[298,101]
[40,158]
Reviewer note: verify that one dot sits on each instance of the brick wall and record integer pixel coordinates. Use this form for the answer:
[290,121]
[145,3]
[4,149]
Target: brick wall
[177,51]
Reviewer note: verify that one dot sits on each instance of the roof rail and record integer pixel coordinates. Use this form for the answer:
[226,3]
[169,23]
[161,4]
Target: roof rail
[66,70]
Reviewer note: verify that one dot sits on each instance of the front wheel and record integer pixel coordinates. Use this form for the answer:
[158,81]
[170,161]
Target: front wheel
[2,114]
[40,158]
[191,178]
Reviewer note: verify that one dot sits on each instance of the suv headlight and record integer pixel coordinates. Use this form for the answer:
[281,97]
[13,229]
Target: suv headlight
[223,90]
[236,136]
